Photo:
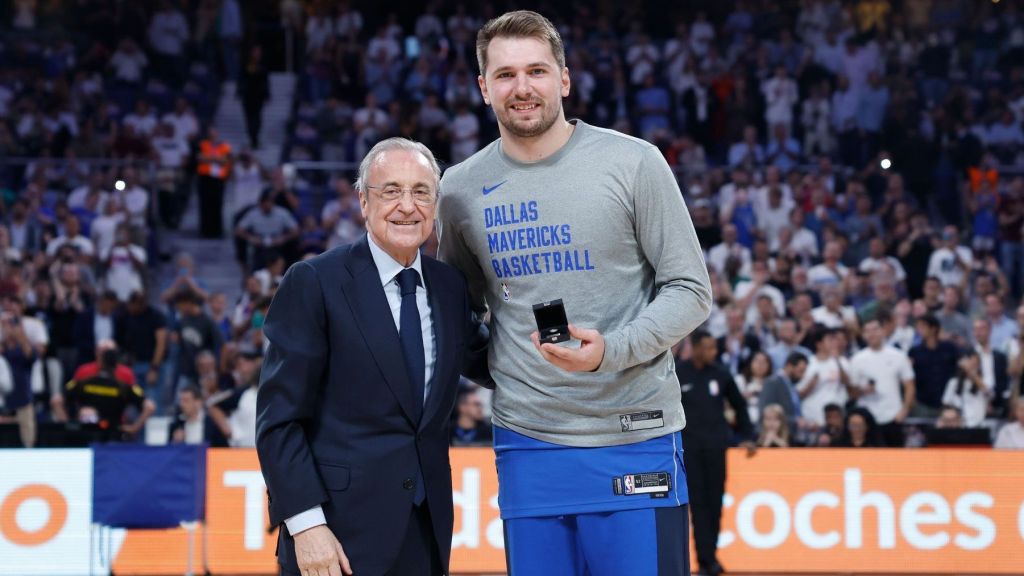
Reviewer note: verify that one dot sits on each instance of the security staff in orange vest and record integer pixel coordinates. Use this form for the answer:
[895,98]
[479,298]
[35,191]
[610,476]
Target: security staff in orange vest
[214,167]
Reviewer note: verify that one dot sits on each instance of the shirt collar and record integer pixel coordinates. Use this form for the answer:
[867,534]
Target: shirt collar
[388,267]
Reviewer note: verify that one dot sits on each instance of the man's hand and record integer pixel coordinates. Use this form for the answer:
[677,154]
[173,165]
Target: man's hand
[319,553]
[901,415]
[750,447]
[586,358]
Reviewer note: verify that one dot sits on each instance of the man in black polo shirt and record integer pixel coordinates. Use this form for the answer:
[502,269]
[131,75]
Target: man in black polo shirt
[142,333]
[934,363]
[706,387]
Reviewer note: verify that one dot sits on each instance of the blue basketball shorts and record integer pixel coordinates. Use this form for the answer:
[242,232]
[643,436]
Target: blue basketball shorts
[571,511]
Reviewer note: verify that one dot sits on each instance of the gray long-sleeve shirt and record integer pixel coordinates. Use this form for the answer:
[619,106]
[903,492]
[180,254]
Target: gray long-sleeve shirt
[602,225]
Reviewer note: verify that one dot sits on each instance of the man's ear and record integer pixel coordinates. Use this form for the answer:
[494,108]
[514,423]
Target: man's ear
[483,89]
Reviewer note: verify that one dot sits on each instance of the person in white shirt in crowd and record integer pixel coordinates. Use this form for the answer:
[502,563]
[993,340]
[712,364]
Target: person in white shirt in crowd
[877,258]
[1004,329]
[729,247]
[830,272]
[750,382]
[8,253]
[77,197]
[248,180]
[773,214]
[967,390]
[129,63]
[951,262]
[780,95]
[349,22]
[833,313]
[319,29]
[883,383]
[897,324]
[135,200]
[827,379]
[702,34]
[383,46]
[1011,436]
[125,263]
[642,58]
[815,117]
[747,292]
[168,34]
[72,236]
[173,154]
[802,244]
[186,126]
[105,225]
[142,118]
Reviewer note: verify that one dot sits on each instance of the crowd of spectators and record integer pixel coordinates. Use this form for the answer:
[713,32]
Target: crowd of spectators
[853,170]
[101,108]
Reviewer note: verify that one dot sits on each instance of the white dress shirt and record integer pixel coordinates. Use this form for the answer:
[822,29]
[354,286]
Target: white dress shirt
[388,269]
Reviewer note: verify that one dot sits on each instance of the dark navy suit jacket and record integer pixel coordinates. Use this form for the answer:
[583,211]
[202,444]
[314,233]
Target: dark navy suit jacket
[335,422]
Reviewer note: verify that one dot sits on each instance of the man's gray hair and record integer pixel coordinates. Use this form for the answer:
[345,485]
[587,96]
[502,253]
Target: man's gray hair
[388,145]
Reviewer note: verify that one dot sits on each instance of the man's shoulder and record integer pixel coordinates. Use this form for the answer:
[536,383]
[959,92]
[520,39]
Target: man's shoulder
[447,273]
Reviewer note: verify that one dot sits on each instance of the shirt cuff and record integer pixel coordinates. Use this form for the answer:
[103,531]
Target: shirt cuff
[305,520]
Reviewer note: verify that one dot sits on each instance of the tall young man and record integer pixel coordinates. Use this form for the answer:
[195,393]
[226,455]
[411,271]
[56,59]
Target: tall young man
[586,434]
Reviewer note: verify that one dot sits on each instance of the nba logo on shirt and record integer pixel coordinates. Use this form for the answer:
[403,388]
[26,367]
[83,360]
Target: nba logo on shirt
[713,387]
[506,295]
[629,486]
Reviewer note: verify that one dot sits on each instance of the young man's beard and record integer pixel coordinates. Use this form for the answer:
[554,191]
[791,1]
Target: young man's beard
[533,128]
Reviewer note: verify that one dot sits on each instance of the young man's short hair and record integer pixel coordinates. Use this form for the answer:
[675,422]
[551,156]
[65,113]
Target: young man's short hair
[519,24]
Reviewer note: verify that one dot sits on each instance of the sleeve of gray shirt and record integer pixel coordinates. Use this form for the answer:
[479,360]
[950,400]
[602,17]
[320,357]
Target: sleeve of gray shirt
[682,299]
[453,249]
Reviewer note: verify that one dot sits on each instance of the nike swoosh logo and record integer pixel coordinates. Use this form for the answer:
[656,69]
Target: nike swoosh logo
[487,190]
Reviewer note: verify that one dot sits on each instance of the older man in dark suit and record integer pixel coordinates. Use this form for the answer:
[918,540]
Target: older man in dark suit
[367,342]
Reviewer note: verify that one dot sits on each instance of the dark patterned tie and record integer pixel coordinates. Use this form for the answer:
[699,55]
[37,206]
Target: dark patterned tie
[410,332]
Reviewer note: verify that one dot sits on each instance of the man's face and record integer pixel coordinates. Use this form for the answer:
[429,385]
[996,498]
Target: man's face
[787,332]
[706,351]
[834,419]
[471,406]
[796,371]
[399,227]
[982,331]
[524,85]
[948,419]
[248,368]
[205,364]
[188,403]
[873,334]
[993,306]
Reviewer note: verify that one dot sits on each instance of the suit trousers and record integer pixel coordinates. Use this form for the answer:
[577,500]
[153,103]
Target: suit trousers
[705,477]
[418,556]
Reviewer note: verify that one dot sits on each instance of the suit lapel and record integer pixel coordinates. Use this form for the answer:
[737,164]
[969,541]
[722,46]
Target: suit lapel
[370,308]
[441,310]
